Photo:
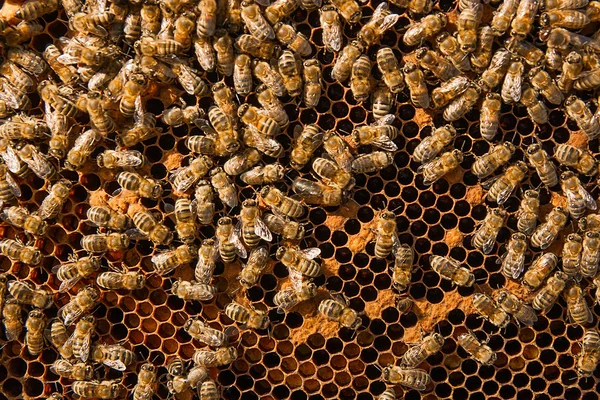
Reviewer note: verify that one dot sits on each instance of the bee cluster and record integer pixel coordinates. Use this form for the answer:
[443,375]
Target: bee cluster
[169,168]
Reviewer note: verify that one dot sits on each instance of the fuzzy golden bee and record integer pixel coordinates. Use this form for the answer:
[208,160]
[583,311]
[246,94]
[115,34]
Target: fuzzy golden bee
[251,318]
[337,309]
[449,268]
[523,313]
[481,352]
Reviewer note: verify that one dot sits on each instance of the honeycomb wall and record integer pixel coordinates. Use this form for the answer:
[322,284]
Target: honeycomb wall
[304,356]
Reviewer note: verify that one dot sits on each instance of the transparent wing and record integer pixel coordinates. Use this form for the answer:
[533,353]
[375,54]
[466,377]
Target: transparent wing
[115,364]
[505,193]
[85,347]
[520,263]
[68,284]
[261,230]
[385,120]
[295,278]
[39,164]
[379,11]
[488,244]
[240,250]
[14,187]
[385,143]
[333,36]
[389,21]
[160,258]
[588,199]
[11,159]
[311,252]
[71,317]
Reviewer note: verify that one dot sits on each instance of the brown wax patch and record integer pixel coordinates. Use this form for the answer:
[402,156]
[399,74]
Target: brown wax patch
[314,321]
[173,161]
[429,315]
[123,201]
[475,195]
[453,237]
[385,299]
[578,139]
[423,117]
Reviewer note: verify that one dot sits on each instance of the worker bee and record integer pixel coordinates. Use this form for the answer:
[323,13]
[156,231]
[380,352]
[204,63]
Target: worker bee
[99,389]
[209,390]
[501,187]
[223,46]
[578,199]
[255,22]
[345,62]
[392,77]
[151,46]
[54,202]
[132,91]
[481,57]
[279,10]
[577,308]
[205,53]
[263,175]
[449,90]
[307,140]
[286,299]
[467,24]
[183,178]
[26,59]
[300,260]
[590,255]
[227,248]
[185,220]
[511,304]
[349,10]
[19,252]
[541,162]
[532,55]
[224,187]
[215,358]
[190,79]
[381,21]
[381,133]
[513,81]
[336,148]
[85,300]
[79,371]
[525,14]
[372,162]
[539,270]
[490,116]
[382,101]
[207,256]
[545,298]
[415,80]
[413,378]
[571,255]
[179,382]
[84,146]
[114,356]
[541,81]
[462,105]
[404,304]
[36,161]
[149,228]
[386,240]
[481,352]
[449,46]
[176,116]
[193,291]
[438,167]
[503,16]
[23,127]
[294,40]
[100,120]
[250,318]
[331,173]
[144,128]
[255,119]
[144,389]
[428,26]
[120,159]
[578,111]
[23,293]
[485,237]
[272,106]
[206,23]
[242,161]
[590,353]
[73,271]
[498,155]
[101,243]
[332,28]
[283,226]
[361,82]
[22,32]
[587,80]
[252,271]
[513,260]
[571,68]
[261,49]
[337,309]
[204,202]
[13,320]
[403,266]
[121,280]
[22,218]
[205,334]
[319,193]
[312,83]
[435,63]
[582,160]
[418,353]
[59,338]
[449,268]
[535,108]
[34,338]
[143,187]
[250,226]
[35,9]
[488,309]
[275,199]
[432,145]
[167,261]
[13,98]
[111,220]
[492,76]
[82,336]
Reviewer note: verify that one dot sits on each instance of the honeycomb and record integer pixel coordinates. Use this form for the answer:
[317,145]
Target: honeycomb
[303,355]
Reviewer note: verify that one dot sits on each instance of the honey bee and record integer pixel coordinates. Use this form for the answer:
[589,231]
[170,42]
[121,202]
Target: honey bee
[54,202]
[73,271]
[490,116]
[312,83]
[462,105]
[578,199]
[372,162]
[513,260]
[101,243]
[132,28]
[82,336]
[276,200]
[500,188]
[36,161]
[184,178]
[23,293]
[415,80]
[590,353]
[571,68]
[144,389]
[488,309]
[547,295]
[345,62]
[386,240]
[242,162]
[34,338]
[209,390]
[255,22]
[103,217]
[100,389]
[84,146]
[283,226]
[492,76]
[205,53]
[121,280]
[382,101]
[176,116]
[581,160]
[207,255]
[307,140]
[294,40]
[498,155]
[92,23]
[393,79]
[79,371]
[481,57]
[449,90]
[193,291]
[85,300]
[205,334]
[404,304]
[578,111]
[590,255]
[336,148]
[544,167]
[255,119]
[432,145]
[204,202]
[503,16]
[337,309]
[349,10]
[206,23]
[250,318]
[427,27]
[225,56]
[539,270]
[242,74]
[571,255]
[381,21]
[59,338]
[318,193]
[22,218]
[143,129]
[535,108]
[449,46]
[361,82]
[438,167]
[541,81]
[273,107]
[525,14]
[114,356]
[286,299]
[149,228]
[143,187]
[185,220]
[190,79]
[215,358]
[450,269]
[225,189]
[331,173]
[167,261]
[99,118]
[429,345]
[252,271]
[19,252]
[120,159]
[523,313]
[481,352]
[12,98]
[21,81]
[403,266]
[26,59]
[467,24]
[151,46]
[577,308]
[413,378]
[531,54]
[261,49]
[279,10]
[381,133]
[179,382]
[435,63]
[262,175]
[591,9]
[250,226]
[300,260]
[590,223]
[132,91]
[34,9]
[12,318]
[332,28]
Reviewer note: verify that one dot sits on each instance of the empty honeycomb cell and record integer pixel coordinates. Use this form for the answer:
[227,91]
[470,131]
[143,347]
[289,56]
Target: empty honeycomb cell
[12,387]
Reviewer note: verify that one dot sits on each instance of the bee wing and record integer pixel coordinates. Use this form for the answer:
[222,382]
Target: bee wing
[431,165]
[67,59]
[340,298]
[160,257]
[13,186]
[11,159]
[385,120]
[68,284]
[70,318]
[85,347]
[261,230]
[385,143]
[488,245]
[39,163]
[333,36]
[292,301]
[504,194]
[295,278]
[389,21]
[511,88]
[12,334]
[379,10]
[184,184]
[488,183]
[240,250]
[520,262]
[136,234]
[115,364]
[588,199]
[311,252]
